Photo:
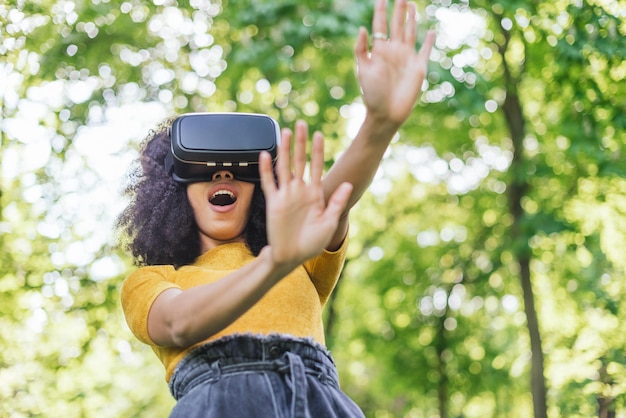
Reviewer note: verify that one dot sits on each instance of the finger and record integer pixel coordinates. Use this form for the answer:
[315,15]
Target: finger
[398,19]
[379,23]
[427,46]
[267,175]
[410,29]
[283,170]
[338,201]
[299,153]
[317,158]
[360,49]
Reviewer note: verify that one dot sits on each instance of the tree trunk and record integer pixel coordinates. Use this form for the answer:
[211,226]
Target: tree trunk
[606,403]
[606,408]
[442,386]
[517,189]
[538,385]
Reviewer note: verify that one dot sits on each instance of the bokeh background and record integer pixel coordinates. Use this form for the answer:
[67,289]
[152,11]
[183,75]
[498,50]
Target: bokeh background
[486,268]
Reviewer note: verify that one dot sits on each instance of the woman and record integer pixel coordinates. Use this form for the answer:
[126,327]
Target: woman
[231,290]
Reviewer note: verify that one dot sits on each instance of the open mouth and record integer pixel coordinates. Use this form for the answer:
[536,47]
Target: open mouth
[223,198]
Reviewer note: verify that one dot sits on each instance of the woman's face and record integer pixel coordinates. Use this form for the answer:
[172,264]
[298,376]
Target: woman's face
[221,208]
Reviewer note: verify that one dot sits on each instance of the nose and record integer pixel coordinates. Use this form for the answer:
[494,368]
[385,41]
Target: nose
[222,175]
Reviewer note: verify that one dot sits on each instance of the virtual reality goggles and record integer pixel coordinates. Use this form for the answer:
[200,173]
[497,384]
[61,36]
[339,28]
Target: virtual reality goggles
[205,143]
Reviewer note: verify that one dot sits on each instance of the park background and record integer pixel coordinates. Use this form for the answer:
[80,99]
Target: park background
[486,268]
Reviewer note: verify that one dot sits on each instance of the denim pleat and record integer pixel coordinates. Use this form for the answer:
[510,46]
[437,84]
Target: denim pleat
[259,376]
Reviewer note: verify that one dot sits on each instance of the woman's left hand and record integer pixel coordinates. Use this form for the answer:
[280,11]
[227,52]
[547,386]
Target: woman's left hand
[392,73]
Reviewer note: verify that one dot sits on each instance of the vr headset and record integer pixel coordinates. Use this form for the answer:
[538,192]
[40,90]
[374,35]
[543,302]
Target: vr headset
[205,143]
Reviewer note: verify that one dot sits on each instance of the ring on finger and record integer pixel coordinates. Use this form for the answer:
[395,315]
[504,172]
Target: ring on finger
[380,35]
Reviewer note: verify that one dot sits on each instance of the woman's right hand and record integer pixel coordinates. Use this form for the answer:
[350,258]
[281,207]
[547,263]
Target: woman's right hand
[300,223]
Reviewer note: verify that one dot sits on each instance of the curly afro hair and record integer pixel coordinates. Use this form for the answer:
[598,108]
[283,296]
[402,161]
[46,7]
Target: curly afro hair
[158,225]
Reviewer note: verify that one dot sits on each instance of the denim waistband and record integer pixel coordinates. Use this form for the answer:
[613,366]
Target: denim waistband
[237,353]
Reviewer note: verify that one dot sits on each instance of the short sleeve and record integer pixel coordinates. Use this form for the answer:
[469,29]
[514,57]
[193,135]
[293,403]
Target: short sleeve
[139,291]
[325,269]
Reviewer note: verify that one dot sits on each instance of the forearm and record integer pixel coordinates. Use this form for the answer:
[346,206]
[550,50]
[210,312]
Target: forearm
[391,75]
[183,318]
[359,163]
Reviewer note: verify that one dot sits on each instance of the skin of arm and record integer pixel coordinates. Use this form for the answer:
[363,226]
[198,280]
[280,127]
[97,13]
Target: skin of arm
[391,77]
[300,224]
[179,318]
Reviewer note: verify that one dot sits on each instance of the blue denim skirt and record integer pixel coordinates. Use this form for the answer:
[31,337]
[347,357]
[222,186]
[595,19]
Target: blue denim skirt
[272,376]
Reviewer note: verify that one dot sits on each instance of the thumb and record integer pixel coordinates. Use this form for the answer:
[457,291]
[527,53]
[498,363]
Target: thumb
[360,49]
[338,200]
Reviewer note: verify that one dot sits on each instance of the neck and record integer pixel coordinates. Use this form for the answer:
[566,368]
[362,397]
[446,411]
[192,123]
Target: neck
[208,243]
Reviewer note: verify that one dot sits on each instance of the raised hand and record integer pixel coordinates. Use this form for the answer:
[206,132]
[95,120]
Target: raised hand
[392,73]
[299,221]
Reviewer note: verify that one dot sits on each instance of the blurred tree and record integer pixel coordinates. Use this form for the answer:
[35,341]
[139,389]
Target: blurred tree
[522,114]
[492,236]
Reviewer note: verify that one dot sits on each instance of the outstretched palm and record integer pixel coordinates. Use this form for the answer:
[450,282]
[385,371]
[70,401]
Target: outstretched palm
[392,73]
[299,221]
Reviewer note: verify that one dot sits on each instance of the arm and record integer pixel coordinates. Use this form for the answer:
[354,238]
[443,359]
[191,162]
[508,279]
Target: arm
[391,77]
[184,317]
[300,223]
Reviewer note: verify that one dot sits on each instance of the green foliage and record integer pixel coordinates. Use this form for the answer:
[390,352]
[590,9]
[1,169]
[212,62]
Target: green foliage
[429,317]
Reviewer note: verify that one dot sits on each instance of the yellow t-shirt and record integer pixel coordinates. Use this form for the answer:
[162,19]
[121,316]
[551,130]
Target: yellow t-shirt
[293,306]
